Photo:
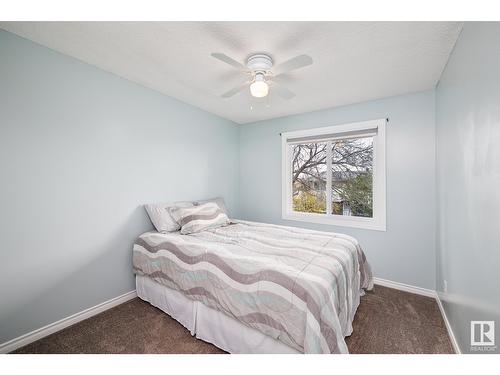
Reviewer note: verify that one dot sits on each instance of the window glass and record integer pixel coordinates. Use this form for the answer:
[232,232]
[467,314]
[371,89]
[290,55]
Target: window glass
[352,177]
[309,177]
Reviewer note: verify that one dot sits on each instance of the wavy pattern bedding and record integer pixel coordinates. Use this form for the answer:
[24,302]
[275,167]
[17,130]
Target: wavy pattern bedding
[299,286]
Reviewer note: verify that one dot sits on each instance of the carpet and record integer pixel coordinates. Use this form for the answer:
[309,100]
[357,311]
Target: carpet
[387,321]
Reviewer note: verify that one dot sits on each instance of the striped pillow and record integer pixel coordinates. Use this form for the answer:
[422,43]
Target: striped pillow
[160,217]
[199,218]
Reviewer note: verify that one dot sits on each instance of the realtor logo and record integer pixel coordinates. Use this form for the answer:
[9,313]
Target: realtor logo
[482,333]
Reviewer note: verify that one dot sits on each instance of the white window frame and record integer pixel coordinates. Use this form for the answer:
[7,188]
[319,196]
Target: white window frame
[375,128]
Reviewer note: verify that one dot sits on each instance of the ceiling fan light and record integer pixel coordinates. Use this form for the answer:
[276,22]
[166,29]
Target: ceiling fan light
[259,89]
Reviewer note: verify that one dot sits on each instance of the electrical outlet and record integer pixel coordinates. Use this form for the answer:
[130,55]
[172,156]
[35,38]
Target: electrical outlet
[445,286]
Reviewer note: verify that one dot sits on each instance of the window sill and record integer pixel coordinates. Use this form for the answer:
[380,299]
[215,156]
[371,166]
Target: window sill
[341,221]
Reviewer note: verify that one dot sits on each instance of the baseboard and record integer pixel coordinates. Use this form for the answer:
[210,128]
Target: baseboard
[423,292]
[39,333]
[85,314]
[453,339]
[405,287]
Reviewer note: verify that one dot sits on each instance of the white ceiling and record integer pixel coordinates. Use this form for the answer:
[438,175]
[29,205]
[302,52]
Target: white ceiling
[353,61]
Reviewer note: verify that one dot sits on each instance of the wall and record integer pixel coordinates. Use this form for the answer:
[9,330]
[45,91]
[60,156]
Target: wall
[468,176]
[80,151]
[406,251]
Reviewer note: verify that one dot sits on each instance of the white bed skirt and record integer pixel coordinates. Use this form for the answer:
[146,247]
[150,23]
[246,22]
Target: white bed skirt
[208,324]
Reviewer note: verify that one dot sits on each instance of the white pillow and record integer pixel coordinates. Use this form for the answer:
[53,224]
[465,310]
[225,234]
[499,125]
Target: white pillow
[161,218]
[218,200]
[199,218]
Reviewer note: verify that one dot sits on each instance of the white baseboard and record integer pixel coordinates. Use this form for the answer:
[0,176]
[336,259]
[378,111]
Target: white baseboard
[39,333]
[405,287]
[453,339]
[423,292]
[85,314]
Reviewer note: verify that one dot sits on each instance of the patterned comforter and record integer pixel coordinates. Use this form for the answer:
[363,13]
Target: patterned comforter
[301,287]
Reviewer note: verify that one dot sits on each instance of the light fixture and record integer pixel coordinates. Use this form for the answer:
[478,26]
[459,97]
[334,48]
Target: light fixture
[259,87]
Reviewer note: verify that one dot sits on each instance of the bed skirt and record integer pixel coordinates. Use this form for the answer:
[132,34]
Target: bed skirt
[208,324]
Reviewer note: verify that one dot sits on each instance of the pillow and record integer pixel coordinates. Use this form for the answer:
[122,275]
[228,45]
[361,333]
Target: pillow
[199,218]
[160,217]
[218,200]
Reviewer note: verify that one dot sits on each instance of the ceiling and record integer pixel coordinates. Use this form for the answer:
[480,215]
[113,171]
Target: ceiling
[353,61]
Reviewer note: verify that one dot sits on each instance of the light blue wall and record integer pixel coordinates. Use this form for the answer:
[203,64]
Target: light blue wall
[406,252]
[468,175]
[80,151]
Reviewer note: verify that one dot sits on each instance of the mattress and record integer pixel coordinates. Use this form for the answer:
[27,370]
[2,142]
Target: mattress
[297,286]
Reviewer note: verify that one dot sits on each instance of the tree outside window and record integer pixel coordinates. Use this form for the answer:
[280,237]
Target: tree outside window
[351,168]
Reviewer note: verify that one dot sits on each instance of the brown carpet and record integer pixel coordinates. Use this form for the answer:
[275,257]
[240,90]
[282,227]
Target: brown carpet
[387,321]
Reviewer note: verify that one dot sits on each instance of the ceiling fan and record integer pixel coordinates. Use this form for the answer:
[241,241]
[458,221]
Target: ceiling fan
[262,74]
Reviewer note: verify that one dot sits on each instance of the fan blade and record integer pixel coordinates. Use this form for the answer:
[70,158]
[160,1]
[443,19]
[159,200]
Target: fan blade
[292,64]
[283,92]
[228,60]
[235,90]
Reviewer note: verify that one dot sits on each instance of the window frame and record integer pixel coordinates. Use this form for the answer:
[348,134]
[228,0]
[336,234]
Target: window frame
[374,128]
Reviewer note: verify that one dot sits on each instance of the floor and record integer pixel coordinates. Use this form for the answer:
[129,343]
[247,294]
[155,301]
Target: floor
[387,321]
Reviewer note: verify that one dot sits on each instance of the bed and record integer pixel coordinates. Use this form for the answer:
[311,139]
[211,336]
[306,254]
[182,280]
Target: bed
[256,288]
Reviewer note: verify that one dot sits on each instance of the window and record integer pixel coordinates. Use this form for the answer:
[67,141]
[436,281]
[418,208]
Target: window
[336,175]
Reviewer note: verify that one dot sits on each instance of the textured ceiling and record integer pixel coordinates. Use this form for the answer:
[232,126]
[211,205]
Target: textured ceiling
[353,61]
